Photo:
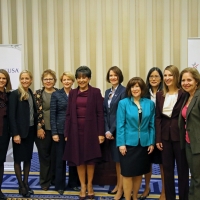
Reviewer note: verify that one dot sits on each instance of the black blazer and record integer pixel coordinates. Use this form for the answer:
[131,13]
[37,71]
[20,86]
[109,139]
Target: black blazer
[192,123]
[110,114]
[58,107]
[167,127]
[19,114]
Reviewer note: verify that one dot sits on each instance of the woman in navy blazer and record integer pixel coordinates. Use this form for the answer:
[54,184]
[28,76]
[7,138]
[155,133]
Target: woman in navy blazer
[135,135]
[23,127]
[168,105]
[58,107]
[189,125]
[84,129]
[111,100]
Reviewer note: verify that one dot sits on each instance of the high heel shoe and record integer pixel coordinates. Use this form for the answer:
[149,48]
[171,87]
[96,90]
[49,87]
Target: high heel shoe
[144,197]
[90,196]
[28,189]
[90,191]
[23,191]
[82,198]
[111,192]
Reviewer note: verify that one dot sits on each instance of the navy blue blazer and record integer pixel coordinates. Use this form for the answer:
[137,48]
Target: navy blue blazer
[58,107]
[19,114]
[110,114]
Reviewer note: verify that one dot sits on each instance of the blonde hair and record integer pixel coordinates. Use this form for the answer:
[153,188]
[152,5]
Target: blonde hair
[23,94]
[49,72]
[68,74]
[175,72]
[8,85]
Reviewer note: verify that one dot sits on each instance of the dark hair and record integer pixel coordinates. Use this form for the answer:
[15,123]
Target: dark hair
[149,74]
[8,85]
[117,71]
[134,81]
[195,75]
[83,71]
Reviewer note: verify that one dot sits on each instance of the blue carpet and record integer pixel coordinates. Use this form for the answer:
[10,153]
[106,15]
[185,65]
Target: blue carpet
[10,186]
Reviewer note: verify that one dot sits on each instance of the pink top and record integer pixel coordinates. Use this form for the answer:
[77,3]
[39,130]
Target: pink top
[184,112]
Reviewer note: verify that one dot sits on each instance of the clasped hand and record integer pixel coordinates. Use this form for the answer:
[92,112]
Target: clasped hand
[41,133]
[17,139]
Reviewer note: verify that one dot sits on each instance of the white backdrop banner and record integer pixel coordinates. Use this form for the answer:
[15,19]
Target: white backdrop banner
[11,61]
[194,53]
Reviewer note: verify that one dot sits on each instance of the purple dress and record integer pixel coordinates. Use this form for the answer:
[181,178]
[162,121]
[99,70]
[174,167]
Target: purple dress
[81,108]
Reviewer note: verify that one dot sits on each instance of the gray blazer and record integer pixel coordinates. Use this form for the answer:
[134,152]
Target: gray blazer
[192,123]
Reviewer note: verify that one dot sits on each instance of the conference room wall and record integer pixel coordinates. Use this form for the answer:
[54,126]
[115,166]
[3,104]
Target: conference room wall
[132,34]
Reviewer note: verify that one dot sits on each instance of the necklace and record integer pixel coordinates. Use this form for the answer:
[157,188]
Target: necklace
[189,100]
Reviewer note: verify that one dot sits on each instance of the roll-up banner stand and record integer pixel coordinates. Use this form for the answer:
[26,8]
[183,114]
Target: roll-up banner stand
[194,53]
[11,61]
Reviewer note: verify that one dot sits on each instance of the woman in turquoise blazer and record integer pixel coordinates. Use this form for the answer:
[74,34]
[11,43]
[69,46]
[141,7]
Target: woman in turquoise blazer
[135,135]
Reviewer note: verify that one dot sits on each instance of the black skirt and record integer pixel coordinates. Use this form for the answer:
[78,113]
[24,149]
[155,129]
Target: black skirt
[136,162]
[156,156]
[114,150]
[4,141]
[24,151]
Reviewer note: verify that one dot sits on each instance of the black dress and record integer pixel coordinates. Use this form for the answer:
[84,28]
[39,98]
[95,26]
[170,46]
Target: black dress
[4,132]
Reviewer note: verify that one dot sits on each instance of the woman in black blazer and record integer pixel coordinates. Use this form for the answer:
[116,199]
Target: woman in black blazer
[189,125]
[168,106]
[111,100]
[23,127]
[58,106]
[5,87]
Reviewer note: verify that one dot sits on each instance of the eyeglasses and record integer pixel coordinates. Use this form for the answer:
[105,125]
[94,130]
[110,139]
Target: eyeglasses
[48,79]
[154,77]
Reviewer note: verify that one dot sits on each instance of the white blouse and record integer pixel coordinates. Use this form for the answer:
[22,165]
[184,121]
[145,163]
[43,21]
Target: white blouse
[152,96]
[170,101]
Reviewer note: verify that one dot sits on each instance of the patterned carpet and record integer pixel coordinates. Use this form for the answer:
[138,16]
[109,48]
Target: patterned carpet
[10,186]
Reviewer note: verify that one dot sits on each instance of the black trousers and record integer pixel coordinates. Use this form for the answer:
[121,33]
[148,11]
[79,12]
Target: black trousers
[172,152]
[60,175]
[47,157]
[194,165]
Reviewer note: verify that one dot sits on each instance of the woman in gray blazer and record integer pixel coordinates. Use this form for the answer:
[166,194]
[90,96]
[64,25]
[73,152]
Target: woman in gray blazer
[189,124]
[111,100]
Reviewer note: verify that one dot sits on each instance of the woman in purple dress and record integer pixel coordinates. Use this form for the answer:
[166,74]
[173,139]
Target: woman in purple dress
[84,129]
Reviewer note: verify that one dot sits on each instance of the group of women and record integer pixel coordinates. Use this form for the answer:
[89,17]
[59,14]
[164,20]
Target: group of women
[145,123]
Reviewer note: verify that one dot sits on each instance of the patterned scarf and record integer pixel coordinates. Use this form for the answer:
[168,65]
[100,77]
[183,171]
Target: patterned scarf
[3,108]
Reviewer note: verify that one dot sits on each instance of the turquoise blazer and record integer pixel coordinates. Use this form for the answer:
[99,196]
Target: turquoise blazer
[129,132]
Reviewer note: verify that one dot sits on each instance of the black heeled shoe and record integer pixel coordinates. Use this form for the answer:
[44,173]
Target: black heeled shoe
[61,192]
[28,189]
[111,192]
[2,196]
[144,197]
[24,192]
